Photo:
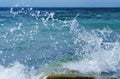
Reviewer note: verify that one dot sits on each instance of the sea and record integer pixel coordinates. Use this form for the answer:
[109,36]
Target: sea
[36,42]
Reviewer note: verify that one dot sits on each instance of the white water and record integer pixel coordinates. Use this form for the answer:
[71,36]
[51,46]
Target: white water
[17,71]
[100,50]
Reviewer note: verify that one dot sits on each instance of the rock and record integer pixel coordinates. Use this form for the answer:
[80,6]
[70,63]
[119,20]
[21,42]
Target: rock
[69,77]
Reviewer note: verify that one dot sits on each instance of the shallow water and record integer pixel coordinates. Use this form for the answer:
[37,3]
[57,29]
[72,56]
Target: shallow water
[34,41]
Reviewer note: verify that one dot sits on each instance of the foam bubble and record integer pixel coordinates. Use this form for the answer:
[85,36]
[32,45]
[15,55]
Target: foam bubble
[17,71]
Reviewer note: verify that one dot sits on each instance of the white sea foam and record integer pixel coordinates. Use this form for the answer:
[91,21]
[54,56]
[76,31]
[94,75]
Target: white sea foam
[17,71]
[99,49]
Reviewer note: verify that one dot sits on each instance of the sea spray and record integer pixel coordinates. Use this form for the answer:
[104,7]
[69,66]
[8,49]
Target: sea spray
[99,48]
[18,71]
[43,41]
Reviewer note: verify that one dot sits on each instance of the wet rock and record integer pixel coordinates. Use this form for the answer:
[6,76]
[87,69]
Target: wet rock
[69,77]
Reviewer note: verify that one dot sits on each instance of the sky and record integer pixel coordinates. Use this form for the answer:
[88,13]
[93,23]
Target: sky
[59,3]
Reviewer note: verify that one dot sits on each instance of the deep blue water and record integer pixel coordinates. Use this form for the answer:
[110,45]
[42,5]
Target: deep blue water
[36,37]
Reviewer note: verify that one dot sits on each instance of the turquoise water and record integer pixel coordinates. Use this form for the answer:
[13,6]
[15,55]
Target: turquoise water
[82,39]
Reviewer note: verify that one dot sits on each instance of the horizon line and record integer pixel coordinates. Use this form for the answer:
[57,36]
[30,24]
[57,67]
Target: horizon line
[54,7]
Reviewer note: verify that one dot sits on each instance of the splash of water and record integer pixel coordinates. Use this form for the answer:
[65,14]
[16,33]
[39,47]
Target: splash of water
[18,71]
[99,49]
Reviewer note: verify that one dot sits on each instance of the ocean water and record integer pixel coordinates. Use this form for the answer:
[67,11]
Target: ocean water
[35,42]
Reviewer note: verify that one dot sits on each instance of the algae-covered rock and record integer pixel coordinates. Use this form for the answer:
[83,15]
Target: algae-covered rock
[69,77]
